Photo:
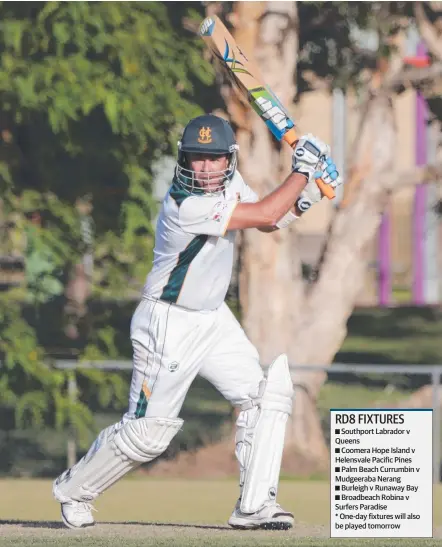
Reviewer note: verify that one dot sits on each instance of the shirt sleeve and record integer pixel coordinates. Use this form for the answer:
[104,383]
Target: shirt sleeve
[206,215]
[247,194]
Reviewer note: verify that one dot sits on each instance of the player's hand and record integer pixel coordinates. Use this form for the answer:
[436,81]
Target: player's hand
[327,171]
[307,154]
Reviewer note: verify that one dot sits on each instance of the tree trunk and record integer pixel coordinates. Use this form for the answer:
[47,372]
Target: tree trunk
[79,286]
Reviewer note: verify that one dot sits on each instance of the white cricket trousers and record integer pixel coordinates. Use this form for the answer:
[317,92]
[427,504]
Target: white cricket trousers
[171,345]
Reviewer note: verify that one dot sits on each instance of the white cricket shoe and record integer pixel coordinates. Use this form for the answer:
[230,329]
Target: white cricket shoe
[77,514]
[74,514]
[269,517]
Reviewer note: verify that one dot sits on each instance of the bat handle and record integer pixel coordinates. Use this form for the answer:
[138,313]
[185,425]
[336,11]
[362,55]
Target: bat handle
[326,190]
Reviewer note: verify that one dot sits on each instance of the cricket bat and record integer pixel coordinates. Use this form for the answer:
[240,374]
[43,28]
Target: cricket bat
[246,75]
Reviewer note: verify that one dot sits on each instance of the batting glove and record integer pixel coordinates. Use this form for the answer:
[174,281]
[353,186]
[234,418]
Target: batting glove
[307,155]
[326,170]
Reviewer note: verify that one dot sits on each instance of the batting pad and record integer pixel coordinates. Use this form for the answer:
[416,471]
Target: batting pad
[136,442]
[261,441]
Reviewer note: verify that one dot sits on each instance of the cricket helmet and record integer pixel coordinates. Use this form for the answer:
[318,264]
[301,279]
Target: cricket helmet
[211,135]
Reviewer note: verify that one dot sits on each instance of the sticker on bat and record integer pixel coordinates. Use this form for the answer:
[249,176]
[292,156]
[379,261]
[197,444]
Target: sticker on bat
[272,113]
[268,107]
[207,27]
[231,61]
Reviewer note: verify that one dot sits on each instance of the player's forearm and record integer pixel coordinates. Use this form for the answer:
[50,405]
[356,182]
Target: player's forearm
[280,201]
[268,229]
[266,214]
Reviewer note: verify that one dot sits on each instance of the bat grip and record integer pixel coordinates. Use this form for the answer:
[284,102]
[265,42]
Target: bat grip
[326,190]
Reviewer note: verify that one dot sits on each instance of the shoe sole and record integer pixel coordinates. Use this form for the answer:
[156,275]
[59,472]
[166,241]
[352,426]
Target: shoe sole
[275,525]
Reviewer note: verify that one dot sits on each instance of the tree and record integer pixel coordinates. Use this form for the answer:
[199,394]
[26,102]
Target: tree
[307,320]
[91,94]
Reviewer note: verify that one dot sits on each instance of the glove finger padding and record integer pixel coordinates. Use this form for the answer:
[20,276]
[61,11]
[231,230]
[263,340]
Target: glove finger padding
[327,171]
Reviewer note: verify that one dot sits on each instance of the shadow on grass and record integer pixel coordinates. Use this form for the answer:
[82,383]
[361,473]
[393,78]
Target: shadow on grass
[34,523]
[55,525]
[396,322]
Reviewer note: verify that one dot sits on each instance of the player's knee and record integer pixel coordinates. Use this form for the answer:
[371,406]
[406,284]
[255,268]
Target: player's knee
[244,393]
[144,439]
[275,390]
[277,387]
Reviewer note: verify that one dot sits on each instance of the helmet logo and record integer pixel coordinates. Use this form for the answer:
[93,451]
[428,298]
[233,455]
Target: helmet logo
[205,135]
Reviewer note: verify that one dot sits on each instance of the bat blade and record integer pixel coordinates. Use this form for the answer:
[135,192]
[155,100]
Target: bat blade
[246,75]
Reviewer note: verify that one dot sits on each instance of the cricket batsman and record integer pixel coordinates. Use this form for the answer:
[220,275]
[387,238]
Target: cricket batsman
[182,327]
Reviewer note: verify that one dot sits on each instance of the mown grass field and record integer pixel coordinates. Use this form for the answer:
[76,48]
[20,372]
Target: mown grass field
[145,512]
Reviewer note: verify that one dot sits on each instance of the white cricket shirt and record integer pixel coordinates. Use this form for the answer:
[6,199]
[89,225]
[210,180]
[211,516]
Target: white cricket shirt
[193,254]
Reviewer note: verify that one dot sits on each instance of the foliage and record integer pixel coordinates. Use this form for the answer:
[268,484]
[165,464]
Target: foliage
[28,386]
[91,93]
[339,40]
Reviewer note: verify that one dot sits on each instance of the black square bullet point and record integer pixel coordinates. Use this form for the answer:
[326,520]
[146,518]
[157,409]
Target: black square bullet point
[337,450]
[337,488]
[337,431]
[337,469]
[337,497]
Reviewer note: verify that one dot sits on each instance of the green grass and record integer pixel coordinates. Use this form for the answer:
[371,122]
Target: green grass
[182,539]
[158,500]
[398,335]
[356,396]
[217,539]
[146,512]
